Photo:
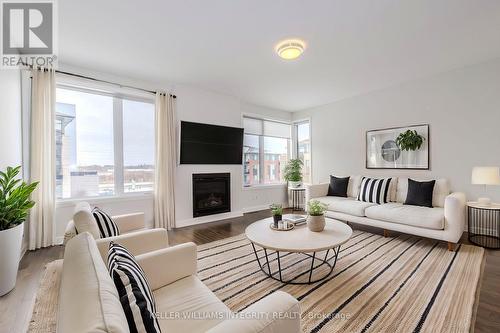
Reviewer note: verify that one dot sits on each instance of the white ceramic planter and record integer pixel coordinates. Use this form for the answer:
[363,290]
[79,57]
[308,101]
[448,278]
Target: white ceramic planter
[316,223]
[10,254]
[294,184]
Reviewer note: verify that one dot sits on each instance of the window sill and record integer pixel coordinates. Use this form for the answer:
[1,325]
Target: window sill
[263,187]
[97,200]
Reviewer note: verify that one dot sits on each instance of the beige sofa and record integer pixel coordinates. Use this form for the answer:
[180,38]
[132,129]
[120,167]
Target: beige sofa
[445,221]
[82,215]
[89,301]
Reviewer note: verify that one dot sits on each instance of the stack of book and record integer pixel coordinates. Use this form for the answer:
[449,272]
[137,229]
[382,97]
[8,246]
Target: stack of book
[295,218]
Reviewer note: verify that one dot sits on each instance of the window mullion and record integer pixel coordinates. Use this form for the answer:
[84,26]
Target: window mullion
[261,159]
[118,144]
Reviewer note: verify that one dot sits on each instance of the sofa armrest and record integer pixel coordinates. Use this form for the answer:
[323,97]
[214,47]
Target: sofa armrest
[162,267]
[454,215]
[69,232]
[278,312]
[129,222]
[316,190]
[137,242]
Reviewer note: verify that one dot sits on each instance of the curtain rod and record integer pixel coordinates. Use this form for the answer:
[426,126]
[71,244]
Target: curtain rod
[109,82]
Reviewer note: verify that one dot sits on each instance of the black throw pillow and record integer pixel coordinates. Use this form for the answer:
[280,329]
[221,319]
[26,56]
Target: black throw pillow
[338,186]
[420,193]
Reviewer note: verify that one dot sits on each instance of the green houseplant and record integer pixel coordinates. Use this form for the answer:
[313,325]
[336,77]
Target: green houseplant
[277,212]
[15,204]
[409,140]
[293,172]
[316,215]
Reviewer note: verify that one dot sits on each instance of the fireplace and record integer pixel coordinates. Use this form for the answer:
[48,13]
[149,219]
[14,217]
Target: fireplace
[211,193]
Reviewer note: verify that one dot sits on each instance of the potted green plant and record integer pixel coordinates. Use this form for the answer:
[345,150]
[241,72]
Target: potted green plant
[15,203]
[410,140]
[316,215]
[277,212]
[293,172]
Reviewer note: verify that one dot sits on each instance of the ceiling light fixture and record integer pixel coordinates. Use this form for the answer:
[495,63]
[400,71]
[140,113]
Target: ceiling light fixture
[290,49]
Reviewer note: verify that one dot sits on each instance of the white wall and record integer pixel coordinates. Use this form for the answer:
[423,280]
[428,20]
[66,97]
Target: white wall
[198,105]
[10,118]
[461,106]
[10,124]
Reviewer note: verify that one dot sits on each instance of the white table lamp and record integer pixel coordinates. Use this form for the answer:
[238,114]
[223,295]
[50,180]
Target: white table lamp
[485,176]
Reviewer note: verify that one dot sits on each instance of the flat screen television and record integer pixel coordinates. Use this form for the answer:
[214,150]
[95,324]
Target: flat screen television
[210,144]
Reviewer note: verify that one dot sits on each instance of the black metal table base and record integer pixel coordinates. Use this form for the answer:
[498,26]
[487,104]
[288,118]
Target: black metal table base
[278,275]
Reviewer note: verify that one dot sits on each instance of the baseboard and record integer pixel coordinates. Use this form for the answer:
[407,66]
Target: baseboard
[207,219]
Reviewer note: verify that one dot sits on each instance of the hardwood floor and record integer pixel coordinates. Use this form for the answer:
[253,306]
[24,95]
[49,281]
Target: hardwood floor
[16,307]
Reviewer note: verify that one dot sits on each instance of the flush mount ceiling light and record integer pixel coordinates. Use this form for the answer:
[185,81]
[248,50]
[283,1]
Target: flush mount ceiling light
[290,49]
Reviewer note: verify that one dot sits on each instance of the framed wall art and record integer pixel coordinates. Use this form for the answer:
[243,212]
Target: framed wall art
[398,148]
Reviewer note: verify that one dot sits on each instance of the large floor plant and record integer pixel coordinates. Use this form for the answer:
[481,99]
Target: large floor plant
[15,204]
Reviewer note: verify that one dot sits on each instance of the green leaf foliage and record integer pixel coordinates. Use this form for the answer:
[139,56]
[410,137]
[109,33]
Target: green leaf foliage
[276,209]
[410,140]
[15,198]
[293,170]
[316,208]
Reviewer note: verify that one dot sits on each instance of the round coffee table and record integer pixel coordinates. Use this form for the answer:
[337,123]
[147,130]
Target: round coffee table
[299,240]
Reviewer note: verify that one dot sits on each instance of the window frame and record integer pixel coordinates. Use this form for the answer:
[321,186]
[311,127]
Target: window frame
[295,140]
[118,148]
[290,151]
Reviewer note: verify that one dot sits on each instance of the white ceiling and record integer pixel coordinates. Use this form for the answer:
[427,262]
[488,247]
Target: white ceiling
[353,46]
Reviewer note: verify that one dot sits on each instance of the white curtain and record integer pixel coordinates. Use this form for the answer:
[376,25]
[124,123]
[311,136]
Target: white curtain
[165,161]
[42,158]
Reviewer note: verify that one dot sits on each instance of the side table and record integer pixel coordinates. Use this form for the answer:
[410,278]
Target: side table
[297,194]
[484,225]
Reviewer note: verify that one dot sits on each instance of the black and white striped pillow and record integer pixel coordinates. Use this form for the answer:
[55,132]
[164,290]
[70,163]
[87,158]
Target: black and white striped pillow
[133,289]
[374,190]
[107,227]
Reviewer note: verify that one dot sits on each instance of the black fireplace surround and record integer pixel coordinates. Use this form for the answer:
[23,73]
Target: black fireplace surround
[211,193]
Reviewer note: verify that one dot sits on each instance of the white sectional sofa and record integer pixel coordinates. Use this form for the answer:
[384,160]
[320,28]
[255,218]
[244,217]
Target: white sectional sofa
[445,221]
[89,302]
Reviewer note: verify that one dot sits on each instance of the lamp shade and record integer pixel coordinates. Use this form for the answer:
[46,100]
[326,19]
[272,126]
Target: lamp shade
[486,175]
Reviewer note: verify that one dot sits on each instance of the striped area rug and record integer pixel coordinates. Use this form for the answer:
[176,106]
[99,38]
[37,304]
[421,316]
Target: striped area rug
[400,284]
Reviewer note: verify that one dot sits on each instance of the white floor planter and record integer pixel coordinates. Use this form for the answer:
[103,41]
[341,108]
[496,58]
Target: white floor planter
[294,184]
[10,253]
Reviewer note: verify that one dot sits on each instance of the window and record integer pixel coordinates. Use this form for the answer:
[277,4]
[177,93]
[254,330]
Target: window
[104,144]
[303,148]
[266,149]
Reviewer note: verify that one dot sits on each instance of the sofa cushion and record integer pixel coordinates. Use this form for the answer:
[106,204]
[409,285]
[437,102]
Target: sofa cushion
[353,187]
[84,220]
[423,217]
[107,227]
[349,206]
[88,300]
[441,191]
[189,298]
[420,193]
[374,190]
[134,290]
[338,186]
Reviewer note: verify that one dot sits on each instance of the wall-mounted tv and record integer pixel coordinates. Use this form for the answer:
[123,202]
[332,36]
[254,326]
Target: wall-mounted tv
[210,144]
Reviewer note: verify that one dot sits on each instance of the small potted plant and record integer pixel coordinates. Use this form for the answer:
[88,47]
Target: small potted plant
[316,215]
[277,212]
[293,172]
[15,204]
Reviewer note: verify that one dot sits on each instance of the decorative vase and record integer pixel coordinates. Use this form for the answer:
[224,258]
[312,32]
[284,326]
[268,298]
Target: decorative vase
[294,184]
[276,219]
[10,254]
[316,223]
